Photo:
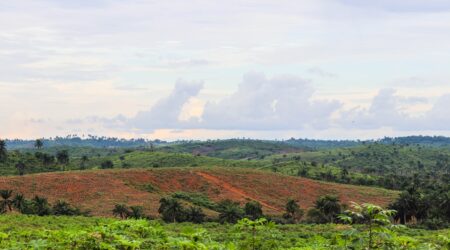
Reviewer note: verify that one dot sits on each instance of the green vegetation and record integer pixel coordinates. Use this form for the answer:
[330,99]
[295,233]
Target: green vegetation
[31,232]
[36,206]
[233,148]
[419,167]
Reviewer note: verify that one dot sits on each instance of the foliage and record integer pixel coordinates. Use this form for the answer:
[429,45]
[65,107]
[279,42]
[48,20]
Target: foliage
[62,232]
[171,210]
[229,211]
[293,211]
[376,221]
[253,210]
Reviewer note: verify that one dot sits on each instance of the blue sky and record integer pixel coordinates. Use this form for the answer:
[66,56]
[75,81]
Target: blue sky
[215,69]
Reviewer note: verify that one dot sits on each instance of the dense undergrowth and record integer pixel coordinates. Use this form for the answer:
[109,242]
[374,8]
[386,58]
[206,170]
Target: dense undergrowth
[52,232]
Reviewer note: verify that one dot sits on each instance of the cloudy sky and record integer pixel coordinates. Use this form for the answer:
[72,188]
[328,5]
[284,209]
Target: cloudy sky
[220,69]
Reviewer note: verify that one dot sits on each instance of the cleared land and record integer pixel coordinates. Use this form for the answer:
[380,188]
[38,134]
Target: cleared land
[99,190]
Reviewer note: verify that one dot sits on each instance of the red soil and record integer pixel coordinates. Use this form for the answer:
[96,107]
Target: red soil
[99,191]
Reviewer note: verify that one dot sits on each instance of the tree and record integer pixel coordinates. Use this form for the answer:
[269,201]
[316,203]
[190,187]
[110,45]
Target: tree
[329,206]
[107,164]
[19,202]
[40,206]
[409,206]
[64,208]
[136,212]
[230,211]
[38,143]
[21,167]
[47,159]
[171,210]
[121,210]
[84,160]
[376,219]
[293,211]
[6,203]
[195,215]
[3,150]
[62,157]
[253,210]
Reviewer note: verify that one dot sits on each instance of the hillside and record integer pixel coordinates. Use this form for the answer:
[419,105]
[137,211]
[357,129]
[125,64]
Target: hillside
[100,190]
[234,148]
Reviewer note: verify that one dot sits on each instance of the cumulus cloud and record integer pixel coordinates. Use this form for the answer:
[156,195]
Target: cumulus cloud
[165,113]
[438,118]
[382,112]
[260,103]
[385,111]
[283,102]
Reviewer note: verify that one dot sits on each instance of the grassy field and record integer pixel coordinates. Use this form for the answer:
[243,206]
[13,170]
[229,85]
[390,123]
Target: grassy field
[50,232]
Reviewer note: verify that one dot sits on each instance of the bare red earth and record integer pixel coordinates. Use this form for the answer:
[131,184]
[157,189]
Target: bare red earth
[98,191]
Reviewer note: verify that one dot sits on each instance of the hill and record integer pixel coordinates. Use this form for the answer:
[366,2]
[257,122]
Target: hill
[99,190]
[234,148]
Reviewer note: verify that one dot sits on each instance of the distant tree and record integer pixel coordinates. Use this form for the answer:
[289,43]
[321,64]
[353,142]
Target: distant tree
[316,216]
[253,210]
[409,206]
[121,210]
[107,164]
[230,211]
[330,207]
[84,160]
[38,143]
[136,212]
[48,159]
[3,150]
[20,166]
[6,202]
[64,208]
[40,206]
[195,215]
[171,210]
[293,211]
[19,202]
[63,157]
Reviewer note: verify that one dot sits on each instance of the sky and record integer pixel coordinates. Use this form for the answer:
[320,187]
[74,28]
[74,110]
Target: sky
[194,69]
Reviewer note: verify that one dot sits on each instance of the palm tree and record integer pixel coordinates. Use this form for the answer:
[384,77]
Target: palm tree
[62,156]
[21,167]
[293,210]
[6,203]
[329,206]
[40,206]
[19,202]
[408,206]
[171,210]
[3,150]
[230,211]
[121,210]
[136,212]
[84,160]
[64,208]
[196,215]
[38,144]
[253,210]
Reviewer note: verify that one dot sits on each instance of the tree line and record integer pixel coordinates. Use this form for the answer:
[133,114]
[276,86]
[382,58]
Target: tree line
[38,205]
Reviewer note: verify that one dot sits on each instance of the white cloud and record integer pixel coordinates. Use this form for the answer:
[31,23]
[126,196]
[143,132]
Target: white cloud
[269,104]
[166,112]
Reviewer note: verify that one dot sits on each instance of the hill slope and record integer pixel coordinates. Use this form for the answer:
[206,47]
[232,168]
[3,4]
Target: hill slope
[99,191]
[234,148]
